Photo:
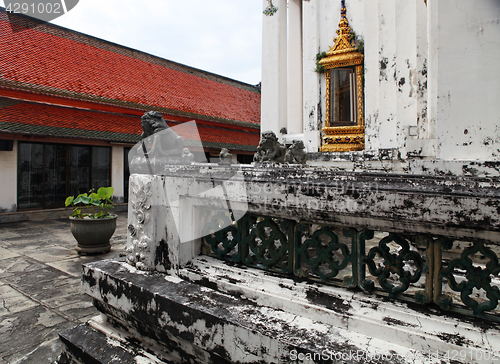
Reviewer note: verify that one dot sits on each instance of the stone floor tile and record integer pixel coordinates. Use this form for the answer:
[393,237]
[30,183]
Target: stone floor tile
[39,291]
[29,331]
[23,231]
[41,275]
[73,266]
[12,302]
[45,292]
[7,254]
[7,233]
[78,310]
[51,253]
[45,353]
[18,264]
[67,299]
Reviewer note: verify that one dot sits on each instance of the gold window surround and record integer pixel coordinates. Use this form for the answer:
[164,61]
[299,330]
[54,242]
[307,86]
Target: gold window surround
[344,54]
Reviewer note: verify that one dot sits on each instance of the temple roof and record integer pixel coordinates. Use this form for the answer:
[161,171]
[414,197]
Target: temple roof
[39,58]
[26,118]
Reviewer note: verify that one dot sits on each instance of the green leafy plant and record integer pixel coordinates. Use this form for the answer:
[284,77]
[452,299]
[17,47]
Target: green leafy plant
[320,68]
[92,205]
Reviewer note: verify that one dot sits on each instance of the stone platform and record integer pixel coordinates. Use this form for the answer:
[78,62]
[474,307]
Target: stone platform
[235,317]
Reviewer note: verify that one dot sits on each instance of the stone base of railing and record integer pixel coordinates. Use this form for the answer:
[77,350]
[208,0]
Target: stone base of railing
[213,312]
[320,266]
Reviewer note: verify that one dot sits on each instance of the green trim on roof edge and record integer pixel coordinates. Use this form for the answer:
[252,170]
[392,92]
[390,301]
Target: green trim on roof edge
[50,131]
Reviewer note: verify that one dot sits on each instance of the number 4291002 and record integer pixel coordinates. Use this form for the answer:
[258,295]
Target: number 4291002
[40,8]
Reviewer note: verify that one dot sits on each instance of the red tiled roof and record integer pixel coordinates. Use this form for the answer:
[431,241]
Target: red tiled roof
[47,120]
[53,60]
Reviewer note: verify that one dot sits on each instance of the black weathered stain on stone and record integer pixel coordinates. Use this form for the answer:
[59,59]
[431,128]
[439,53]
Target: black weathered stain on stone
[317,297]
[88,276]
[206,283]
[354,193]
[219,355]
[123,321]
[401,82]
[394,322]
[162,255]
[456,339]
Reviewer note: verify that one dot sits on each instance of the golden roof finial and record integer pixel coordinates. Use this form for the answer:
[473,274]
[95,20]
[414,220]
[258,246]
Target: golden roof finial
[343,42]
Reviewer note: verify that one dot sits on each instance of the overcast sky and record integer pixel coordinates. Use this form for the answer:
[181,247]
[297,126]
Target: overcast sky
[219,36]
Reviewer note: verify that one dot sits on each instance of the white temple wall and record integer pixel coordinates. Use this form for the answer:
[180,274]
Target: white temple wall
[117,172]
[429,87]
[8,180]
[465,50]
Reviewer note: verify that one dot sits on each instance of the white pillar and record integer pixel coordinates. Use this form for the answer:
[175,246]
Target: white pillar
[433,70]
[274,69]
[312,116]
[294,86]
[117,172]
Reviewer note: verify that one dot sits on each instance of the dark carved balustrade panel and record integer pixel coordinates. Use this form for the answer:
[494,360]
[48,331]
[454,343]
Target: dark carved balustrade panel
[455,275]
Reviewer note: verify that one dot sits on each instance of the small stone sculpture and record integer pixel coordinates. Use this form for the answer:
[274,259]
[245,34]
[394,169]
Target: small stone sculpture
[296,154]
[153,123]
[270,149]
[187,156]
[225,157]
[160,146]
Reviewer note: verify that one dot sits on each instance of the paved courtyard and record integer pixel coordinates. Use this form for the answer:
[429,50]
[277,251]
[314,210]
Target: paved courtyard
[40,287]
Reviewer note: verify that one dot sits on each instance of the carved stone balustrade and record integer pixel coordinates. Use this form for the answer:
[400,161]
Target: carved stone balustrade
[248,264]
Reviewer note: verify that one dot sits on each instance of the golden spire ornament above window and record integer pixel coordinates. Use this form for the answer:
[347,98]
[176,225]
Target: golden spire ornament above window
[343,64]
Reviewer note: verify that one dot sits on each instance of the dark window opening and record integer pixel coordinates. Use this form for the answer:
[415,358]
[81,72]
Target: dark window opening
[49,172]
[244,158]
[342,97]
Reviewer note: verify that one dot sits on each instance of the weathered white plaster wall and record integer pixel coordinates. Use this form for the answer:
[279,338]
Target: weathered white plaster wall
[294,68]
[8,180]
[117,172]
[394,66]
[465,88]
[430,86]
[313,110]
[274,73]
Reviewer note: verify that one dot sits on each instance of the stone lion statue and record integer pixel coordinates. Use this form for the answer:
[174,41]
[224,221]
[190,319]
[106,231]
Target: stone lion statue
[187,156]
[225,157]
[295,154]
[269,149]
[156,131]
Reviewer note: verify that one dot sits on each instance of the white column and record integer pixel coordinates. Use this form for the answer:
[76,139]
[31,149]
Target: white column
[294,86]
[8,180]
[274,69]
[372,64]
[117,172]
[432,70]
[388,87]
[312,116]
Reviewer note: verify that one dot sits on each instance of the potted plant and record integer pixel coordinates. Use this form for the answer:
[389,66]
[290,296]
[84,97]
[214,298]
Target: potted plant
[91,223]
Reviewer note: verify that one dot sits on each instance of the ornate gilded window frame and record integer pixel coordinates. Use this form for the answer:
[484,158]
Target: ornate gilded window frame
[344,54]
